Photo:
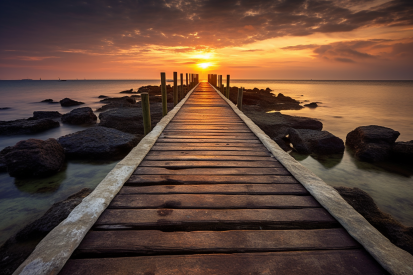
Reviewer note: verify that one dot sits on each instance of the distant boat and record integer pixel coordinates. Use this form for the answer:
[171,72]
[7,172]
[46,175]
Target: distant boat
[27,79]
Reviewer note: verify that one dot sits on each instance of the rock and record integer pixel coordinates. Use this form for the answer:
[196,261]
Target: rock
[311,105]
[67,102]
[102,96]
[49,100]
[127,120]
[26,126]
[46,114]
[5,108]
[403,150]
[319,142]
[127,91]
[17,248]
[371,134]
[3,166]
[35,157]
[98,142]
[372,143]
[80,116]
[118,102]
[397,233]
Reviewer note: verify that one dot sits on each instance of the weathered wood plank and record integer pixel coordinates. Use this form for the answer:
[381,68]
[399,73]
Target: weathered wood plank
[211,144]
[176,157]
[227,189]
[219,219]
[201,201]
[210,171]
[204,131]
[208,163]
[160,147]
[201,140]
[354,261]
[209,179]
[147,242]
[261,153]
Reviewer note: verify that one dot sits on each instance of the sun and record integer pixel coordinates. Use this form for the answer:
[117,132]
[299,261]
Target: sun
[204,65]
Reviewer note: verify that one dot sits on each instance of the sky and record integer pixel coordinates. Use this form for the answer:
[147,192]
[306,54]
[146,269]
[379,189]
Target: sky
[254,39]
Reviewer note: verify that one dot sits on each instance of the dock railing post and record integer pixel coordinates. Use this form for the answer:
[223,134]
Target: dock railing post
[187,87]
[164,95]
[239,101]
[175,88]
[228,87]
[146,113]
[181,92]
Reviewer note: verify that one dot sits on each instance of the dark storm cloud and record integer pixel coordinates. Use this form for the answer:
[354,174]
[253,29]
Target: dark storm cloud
[102,26]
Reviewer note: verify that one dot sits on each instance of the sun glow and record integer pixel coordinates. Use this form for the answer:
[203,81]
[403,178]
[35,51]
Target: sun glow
[204,65]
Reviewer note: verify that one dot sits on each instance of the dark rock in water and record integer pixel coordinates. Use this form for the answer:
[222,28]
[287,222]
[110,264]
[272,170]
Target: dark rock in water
[102,96]
[34,157]
[319,142]
[127,91]
[26,126]
[49,100]
[371,134]
[3,166]
[5,108]
[117,102]
[46,114]
[403,150]
[16,249]
[80,116]
[397,233]
[127,120]
[311,105]
[67,102]
[98,142]
[372,143]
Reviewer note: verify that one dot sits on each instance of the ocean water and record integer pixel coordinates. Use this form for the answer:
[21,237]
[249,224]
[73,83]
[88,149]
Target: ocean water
[344,105]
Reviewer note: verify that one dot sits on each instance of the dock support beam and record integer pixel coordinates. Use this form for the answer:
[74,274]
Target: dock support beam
[146,113]
[175,88]
[164,95]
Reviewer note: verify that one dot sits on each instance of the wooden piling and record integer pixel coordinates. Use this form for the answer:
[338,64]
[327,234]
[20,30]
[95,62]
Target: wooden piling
[228,87]
[146,113]
[164,95]
[187,87]
[240,95]
[175,88]
[181,91]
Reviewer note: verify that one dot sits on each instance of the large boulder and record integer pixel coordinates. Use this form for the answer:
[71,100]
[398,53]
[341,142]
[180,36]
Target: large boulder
[26,126]
[118,102]
[372,143]
[80,116]
[127,120]
[403,150]
[319,142]
[46,114]
[67,102]
[35,157]
[98,142]
[3,166]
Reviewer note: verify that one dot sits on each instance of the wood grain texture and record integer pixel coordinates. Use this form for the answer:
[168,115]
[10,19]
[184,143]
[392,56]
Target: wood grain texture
[209,164]
[210,171]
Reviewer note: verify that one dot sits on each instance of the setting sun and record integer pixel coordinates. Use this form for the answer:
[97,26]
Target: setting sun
[204,65]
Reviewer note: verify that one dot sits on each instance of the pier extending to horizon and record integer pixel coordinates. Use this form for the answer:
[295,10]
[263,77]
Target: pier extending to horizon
[207,192]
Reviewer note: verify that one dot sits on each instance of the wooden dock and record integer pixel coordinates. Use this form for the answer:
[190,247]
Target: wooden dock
[209,198]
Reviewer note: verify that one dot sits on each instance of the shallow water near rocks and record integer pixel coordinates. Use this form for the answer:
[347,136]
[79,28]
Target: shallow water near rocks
[344,106]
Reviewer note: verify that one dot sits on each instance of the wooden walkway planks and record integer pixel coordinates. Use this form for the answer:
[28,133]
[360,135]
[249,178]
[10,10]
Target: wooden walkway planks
[207,187]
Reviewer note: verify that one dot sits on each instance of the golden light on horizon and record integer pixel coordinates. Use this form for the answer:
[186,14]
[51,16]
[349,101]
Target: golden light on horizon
[204,65]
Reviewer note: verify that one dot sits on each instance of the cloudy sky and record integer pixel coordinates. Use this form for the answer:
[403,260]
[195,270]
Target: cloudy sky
[256,39]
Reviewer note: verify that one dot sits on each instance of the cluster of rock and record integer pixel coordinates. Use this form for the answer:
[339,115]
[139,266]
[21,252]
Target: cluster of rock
[376,143]
[80,116]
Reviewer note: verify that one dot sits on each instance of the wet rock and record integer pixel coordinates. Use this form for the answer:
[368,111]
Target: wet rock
[311,105]
[372,143]
[5,108]
[102,96]
[26,126]
[80,116]
[397,233]
[319,142]
[3,166]
[117,102]
[34,157]
[98,142]
[67,102]
[46,114]
[16,249]
[127,91]
[49,100]
[127,120]
[403,150]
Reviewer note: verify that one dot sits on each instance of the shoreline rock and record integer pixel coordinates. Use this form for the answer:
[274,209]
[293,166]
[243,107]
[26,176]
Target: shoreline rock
[67,102]
[17,248]
[46,114]
[26,126]
[307,141]
[80,116]
[311,105]
[34,158]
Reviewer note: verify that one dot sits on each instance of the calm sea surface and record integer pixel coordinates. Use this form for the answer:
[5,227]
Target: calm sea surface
[344,105]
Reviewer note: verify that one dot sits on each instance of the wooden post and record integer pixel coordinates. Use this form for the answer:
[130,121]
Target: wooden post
[228,88]
[164,95]
[239,101]
[175,88]
[146,113]
[181,92]
[222,88]
[187,87]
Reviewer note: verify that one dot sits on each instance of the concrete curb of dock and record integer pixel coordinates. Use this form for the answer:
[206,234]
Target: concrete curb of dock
[51,254]
[392,258]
